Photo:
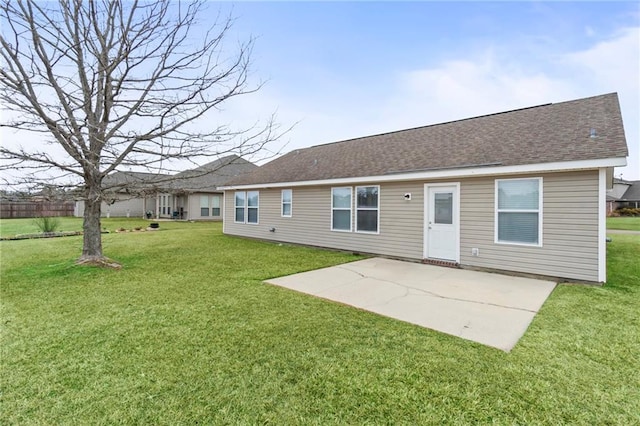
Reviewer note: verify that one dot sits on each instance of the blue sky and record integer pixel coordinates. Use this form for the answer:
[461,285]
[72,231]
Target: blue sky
[349,69]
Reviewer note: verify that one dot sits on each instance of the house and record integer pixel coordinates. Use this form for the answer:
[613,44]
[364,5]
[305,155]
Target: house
[631,198]
[195,195]
[521,191]
[189,195]
[623,194]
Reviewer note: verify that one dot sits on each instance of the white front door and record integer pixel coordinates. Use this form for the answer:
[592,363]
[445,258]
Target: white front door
[442,222]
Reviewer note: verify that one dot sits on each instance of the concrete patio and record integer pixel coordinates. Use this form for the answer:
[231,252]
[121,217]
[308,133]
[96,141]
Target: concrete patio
[492,309]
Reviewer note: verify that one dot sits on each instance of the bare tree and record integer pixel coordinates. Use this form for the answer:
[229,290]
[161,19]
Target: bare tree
[112,84]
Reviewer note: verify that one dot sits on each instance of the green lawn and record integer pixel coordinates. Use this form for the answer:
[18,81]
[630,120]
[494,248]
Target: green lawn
[11,227]
[187,333]
[628,223]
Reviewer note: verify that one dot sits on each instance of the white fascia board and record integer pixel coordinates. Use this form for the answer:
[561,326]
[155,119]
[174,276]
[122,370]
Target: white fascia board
[448,173]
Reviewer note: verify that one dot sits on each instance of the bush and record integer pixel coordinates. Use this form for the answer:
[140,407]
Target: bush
[627,211]
[47,224]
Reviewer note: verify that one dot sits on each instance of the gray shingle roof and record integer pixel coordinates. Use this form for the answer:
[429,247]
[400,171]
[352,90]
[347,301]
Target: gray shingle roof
[118,180]
[212,175]
[546,133]
[633,192]
[205,178]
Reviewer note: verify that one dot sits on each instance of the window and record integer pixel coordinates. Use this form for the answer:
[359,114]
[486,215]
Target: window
[286,202]
[367,208]
[204,205]
[240,206]
[246,206]
[253,199]
[518,211]
[165,206]
[443,208]
[341,209]
[215,205]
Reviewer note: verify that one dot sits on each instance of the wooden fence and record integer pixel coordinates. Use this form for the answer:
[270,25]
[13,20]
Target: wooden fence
[16,209]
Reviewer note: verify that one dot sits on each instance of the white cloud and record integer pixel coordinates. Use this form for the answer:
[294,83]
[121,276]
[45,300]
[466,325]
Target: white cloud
[467,88]
[611,63]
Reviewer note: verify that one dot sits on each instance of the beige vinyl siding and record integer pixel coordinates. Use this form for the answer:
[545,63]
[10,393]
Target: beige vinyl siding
[569,236]
[569,228]
[193,207]
[400,225]
[133,206]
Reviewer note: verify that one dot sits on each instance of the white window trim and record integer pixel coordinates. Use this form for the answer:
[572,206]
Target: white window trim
[235,207]
[539,211]
[219,204]
[355,201]
[246,208]
[290,203]
[342,208]
[208,205]
[257,208]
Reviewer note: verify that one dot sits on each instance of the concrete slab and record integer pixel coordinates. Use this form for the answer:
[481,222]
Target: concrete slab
[491,309]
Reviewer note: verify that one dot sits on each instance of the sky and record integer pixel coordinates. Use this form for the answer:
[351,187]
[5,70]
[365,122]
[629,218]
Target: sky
[341,70]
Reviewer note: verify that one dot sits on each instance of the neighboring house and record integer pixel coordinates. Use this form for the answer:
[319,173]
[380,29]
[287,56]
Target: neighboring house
[521,191]
[131,194]
[188,195]
[195,195]
[624,194]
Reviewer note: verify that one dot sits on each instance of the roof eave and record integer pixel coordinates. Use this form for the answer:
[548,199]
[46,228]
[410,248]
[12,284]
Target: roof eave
[448,173]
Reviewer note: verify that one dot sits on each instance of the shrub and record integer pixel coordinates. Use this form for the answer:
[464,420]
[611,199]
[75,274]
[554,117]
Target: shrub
[47,224]
[628,211]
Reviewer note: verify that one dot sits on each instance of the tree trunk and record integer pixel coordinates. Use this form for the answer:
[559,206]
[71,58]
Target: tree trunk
[92,247]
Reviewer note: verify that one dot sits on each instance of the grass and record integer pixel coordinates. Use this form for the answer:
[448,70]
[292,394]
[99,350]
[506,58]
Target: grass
[626,223]
[187,333]
[11,227]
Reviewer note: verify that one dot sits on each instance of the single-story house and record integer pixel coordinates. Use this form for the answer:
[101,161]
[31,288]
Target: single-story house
[190,195]
[195,195]
[521,191]
[624,194]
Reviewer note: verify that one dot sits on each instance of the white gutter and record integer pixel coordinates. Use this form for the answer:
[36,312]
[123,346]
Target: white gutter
[448,173]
